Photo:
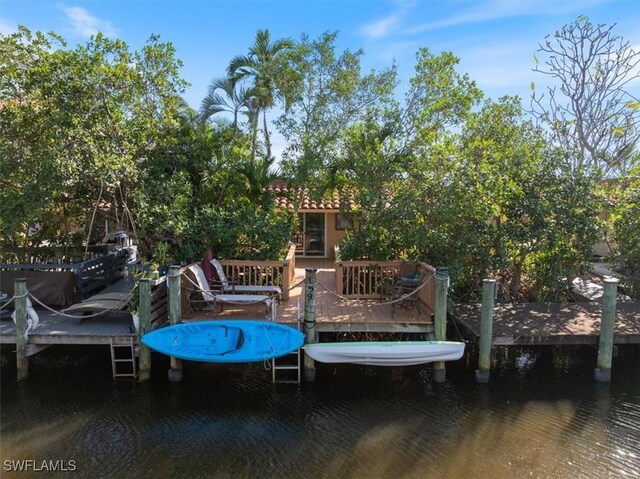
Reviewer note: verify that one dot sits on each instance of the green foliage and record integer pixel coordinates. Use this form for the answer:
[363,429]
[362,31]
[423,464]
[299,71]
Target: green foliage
[78,126]
[439,178]
[266,69]
[239,231]
[493,200]
[327,94]
[625,229]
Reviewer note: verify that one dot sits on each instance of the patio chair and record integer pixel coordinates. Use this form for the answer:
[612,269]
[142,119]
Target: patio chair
[212,298]
[228,287]
[408,280]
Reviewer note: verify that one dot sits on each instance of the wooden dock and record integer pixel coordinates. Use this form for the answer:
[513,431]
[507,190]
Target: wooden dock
[332,313]
[55,329]
[551,323]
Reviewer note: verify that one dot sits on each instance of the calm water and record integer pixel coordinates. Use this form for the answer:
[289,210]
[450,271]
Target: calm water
[541,416]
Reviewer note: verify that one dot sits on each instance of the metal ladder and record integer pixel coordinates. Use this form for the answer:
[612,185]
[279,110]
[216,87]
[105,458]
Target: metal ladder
[289,362]
[132,371]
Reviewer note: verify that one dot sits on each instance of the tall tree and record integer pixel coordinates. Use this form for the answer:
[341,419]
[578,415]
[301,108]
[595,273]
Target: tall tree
[329,93]
[81,125]
[590,106]
[263,66]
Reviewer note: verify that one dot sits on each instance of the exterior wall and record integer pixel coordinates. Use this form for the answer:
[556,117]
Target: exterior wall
[334,236]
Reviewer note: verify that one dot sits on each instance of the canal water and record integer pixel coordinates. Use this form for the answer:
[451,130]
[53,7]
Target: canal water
[540,416]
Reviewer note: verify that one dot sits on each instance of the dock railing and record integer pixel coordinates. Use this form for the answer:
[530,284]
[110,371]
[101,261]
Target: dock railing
[159,302]
[364,279]
[263,273]
[247,272]
[92,275]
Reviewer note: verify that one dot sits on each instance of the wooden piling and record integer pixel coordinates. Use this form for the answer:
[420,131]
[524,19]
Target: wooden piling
[144,312]
[20,295]
[309,324]
[486,331]
[440,319]
[175,316]
[602,372]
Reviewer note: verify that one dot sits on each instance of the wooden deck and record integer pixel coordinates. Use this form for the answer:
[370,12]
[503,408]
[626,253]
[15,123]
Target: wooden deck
[332,313]
[552,323]
[56,329]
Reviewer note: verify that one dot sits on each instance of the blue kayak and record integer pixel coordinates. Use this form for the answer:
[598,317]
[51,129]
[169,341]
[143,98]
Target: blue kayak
[229,341]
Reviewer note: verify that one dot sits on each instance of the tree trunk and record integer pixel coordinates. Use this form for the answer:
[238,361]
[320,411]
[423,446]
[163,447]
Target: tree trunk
[255,136]
[267,141]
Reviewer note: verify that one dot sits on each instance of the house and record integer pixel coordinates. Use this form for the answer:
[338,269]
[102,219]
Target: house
[321,224]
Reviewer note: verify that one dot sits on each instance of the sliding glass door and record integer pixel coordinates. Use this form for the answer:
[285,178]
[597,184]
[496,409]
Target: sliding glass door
[311,238]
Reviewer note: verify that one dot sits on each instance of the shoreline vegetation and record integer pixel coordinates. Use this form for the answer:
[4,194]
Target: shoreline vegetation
[486,187]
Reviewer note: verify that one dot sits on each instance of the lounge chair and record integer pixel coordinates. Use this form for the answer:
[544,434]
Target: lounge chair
[213,298]
[101,302]
[228,287]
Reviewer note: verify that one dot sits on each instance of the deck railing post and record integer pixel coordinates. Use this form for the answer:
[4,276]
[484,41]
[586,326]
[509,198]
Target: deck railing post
[309,324]
[440,319]
[286,280]
[486,331]
[144,311]
[602,372]
[20,295]
[175,316]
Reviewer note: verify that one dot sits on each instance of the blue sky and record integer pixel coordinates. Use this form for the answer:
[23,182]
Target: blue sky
[495,39]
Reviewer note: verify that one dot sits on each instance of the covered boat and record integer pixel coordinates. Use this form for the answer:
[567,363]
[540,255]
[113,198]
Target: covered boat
[228,341]
[385,353]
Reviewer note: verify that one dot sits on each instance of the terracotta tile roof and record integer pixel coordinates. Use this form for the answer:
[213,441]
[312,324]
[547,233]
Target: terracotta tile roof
[290,198]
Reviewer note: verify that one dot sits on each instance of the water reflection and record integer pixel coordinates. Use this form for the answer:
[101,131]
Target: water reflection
[540,416]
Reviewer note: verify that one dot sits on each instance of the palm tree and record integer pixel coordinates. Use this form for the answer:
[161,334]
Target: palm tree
[261,66]
[258,175]
[237,99]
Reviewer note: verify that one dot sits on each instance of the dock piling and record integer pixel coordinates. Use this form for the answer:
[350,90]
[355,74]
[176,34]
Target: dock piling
[144,311]
[175,316]
[486,331]
[309,324]
[20,295]
[602,372]
[440,319]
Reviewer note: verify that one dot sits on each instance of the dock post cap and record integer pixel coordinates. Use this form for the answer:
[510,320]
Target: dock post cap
[442,272]
[611,279]
[311,270]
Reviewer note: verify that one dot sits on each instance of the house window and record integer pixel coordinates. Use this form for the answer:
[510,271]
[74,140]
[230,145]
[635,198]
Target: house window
[344,222]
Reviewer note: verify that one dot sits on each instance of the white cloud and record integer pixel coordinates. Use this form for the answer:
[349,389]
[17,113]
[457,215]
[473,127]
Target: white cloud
[380,28]
[498,9]
[85,24]
[7,27]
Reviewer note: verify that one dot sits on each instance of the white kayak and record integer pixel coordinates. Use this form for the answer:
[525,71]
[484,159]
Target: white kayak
[385,353]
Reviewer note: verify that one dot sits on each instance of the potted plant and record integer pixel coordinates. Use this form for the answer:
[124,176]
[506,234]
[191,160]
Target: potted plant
[161,258]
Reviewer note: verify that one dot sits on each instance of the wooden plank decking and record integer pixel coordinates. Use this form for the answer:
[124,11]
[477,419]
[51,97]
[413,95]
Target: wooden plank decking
[332,313]
[552,323]
[56,329]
